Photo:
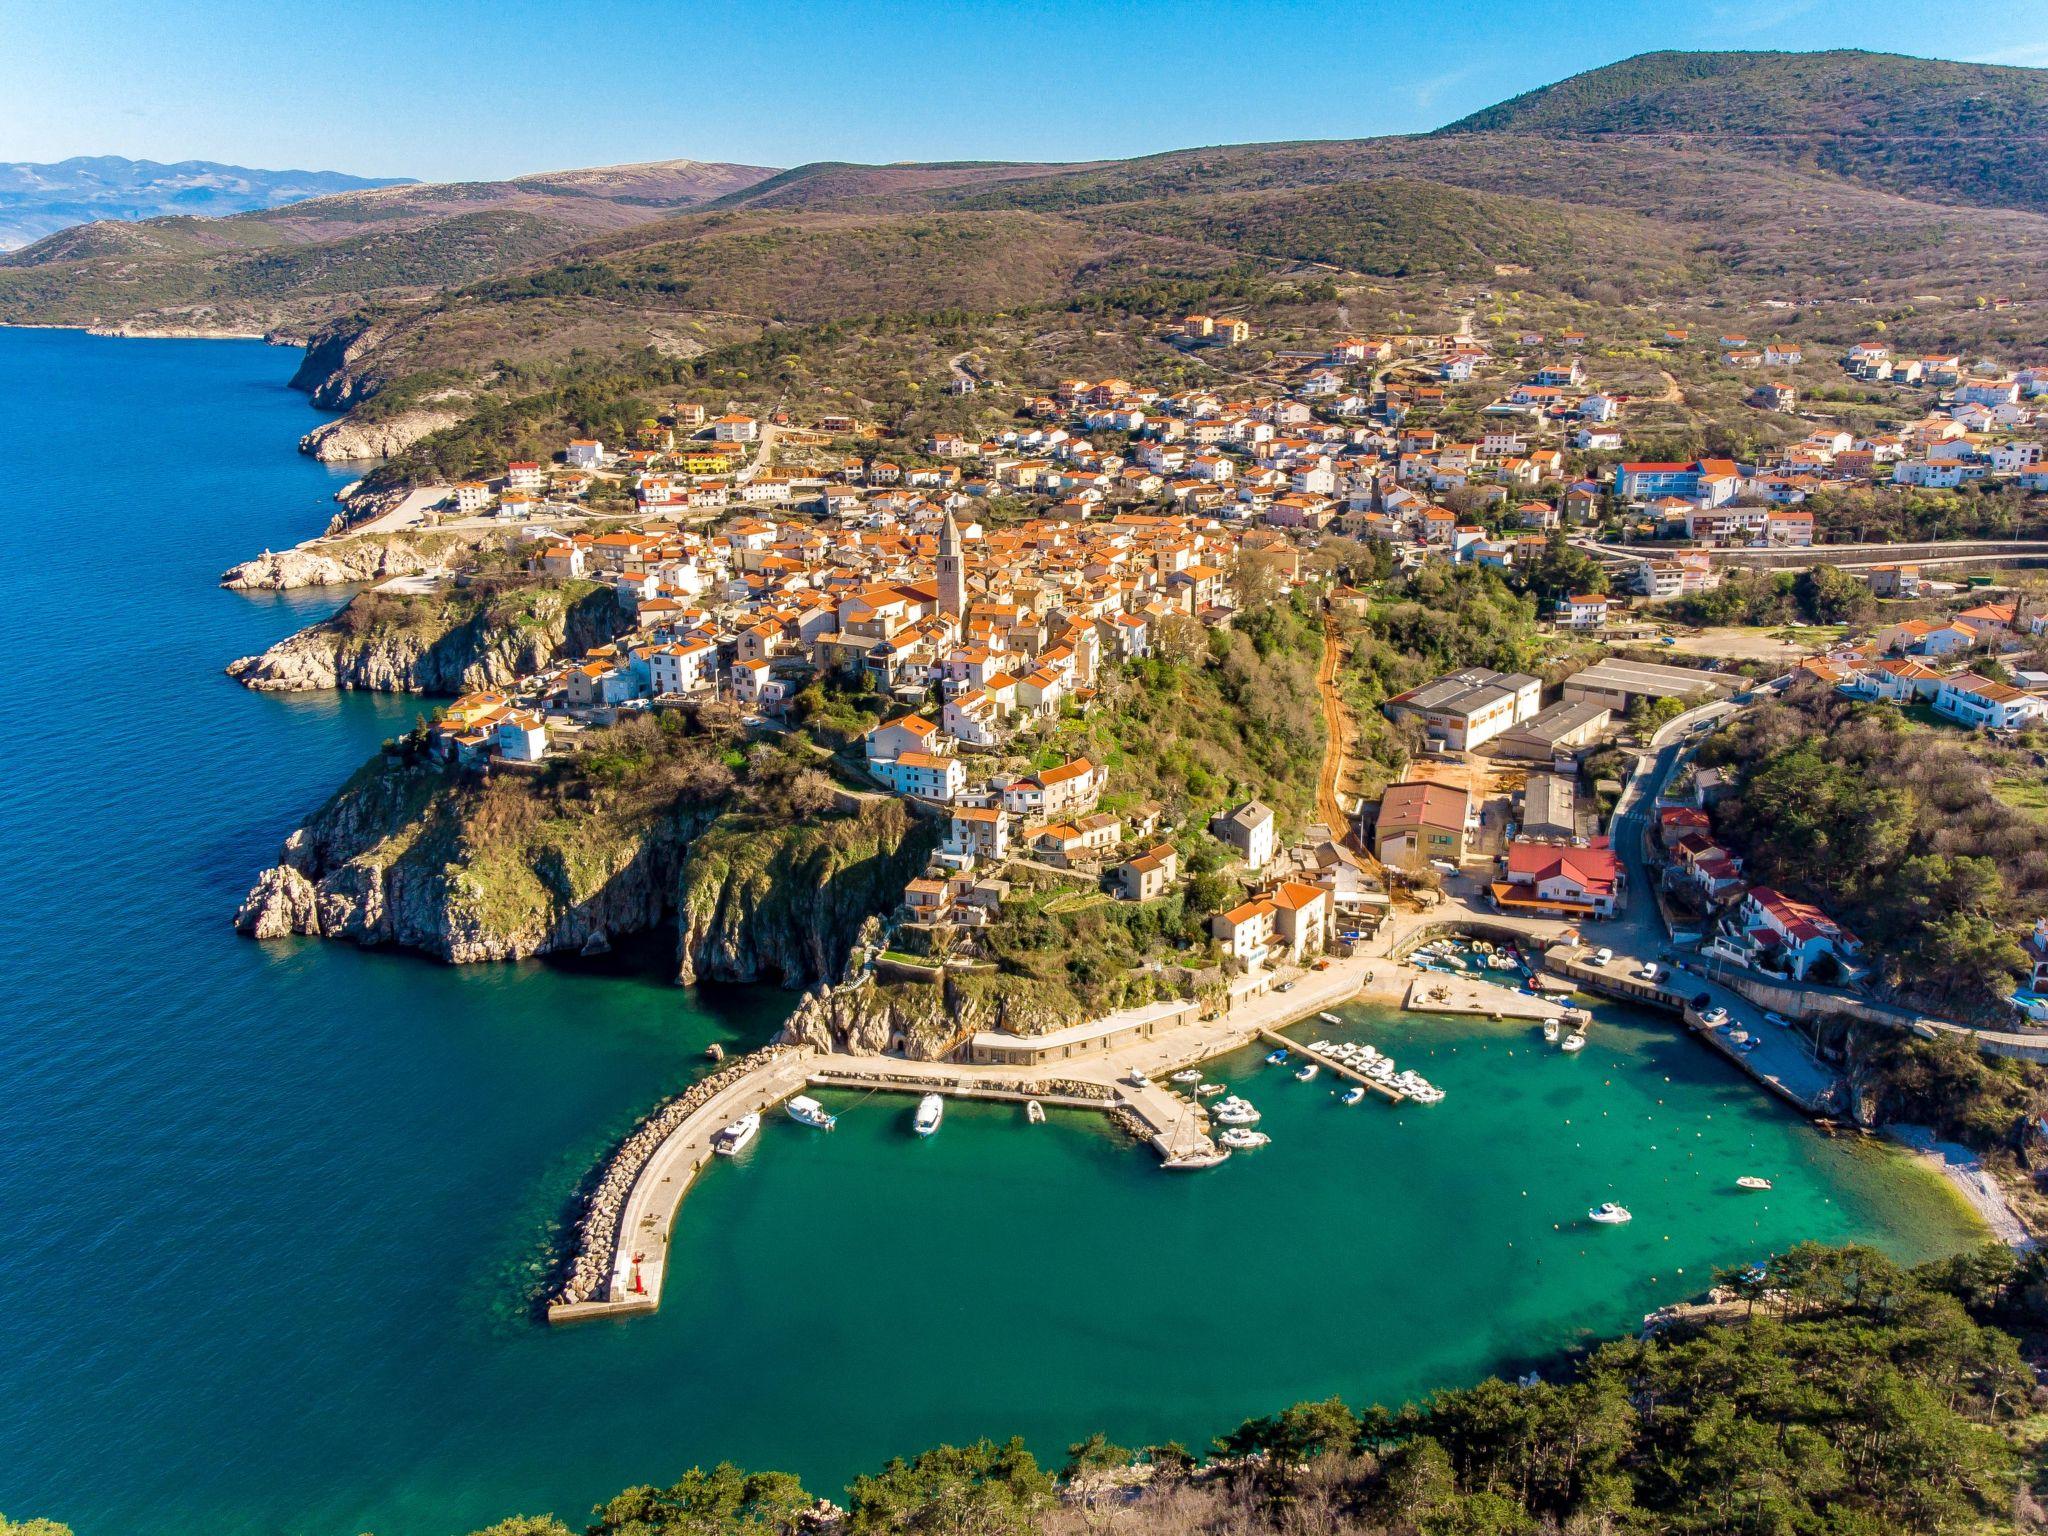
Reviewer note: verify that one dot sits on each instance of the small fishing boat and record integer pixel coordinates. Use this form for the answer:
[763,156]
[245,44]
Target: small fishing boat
[931,1109]
[1329,1018]
[1356,1094]
[1574,1042]
[1034,1112]
[1550,1030]
[1188,1075]
[1242,1138]
[1276,1058]
[730,1141]
[805,1110]
[1751,1181]
[1207,1090]
[1307,1072]
[1608,1214]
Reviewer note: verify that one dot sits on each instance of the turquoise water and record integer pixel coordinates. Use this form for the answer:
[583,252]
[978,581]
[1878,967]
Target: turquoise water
[267,1209]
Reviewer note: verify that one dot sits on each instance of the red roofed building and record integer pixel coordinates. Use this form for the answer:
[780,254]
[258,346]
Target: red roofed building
[1793,933]
[1570,882]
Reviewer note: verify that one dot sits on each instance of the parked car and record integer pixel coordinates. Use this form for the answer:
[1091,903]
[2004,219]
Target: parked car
[1602,955]
[1649,973]
[1714,1018]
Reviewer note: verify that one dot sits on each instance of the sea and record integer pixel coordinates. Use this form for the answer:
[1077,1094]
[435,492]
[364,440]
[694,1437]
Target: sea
[271,1214]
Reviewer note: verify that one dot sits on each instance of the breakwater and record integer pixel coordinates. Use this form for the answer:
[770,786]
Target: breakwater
[594,1254]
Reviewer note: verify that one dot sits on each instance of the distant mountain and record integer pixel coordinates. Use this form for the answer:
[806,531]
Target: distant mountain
[38,200]
[1947,132]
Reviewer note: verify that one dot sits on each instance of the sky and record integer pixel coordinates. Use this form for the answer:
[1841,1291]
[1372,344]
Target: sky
[480,89]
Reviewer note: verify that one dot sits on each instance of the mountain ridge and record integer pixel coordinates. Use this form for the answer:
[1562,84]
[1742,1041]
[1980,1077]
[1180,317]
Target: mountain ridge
[39,198]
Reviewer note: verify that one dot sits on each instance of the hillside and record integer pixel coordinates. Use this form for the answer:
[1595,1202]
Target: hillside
[1681,184]
[296,265]
[38,200]
[1962,133]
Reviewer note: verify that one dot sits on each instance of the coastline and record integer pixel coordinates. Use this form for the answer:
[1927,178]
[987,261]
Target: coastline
[132,333]
[1965,1174]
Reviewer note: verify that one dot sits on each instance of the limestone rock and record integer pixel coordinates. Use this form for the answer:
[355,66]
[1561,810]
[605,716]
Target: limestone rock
[348,439]
[283,901]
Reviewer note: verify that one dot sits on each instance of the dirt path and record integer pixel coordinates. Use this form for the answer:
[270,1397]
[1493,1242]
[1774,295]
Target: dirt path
[1672,395]
[1337,726]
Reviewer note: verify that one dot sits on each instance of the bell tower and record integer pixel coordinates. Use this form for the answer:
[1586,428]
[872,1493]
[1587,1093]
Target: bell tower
[952,570]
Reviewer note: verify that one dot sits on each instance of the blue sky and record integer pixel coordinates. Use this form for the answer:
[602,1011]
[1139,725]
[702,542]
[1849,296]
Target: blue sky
[446,89]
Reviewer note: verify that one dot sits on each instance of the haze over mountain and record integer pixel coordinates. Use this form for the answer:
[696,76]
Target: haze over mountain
[38,200]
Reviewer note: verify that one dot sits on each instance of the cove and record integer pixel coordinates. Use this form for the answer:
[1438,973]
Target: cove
[269,1211]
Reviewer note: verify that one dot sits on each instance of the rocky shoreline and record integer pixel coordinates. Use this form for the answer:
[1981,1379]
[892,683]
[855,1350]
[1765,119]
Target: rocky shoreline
[445,644]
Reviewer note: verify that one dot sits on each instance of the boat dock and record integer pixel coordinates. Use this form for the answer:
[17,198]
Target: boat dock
[1435,992]
[1176,1127]
[1332,1065]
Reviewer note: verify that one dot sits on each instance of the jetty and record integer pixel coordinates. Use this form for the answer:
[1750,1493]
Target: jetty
[1332,1065]
[1435,992]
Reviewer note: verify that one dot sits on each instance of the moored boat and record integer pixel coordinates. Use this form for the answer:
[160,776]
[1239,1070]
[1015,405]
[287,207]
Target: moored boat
[1188,1075]
[1034,1112]
[805,1110]
[1574,1042]
[734,1137]
[1329,1018]
[1751,1181]
[1608,1214]
[931,1109]
[1355,1094]
[1241,1138]
[1550,1030]
[1276,1058]
[1307,1072]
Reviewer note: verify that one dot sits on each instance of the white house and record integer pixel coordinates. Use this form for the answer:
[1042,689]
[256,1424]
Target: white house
[584,453]
[1978,701]
[1249,830]
[925,775]
[520,736]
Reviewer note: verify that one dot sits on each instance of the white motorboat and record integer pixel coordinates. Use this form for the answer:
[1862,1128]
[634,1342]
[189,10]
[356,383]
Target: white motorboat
[1307,1072]
[1329,1018]
[1188,1075]
[1242,1138]
[1239,1113]
[805,1110]
[931,1109]
[1608,1214]
[1034,1112]
[1207,1090]
[1751,1181]
[734,1137]
[1355,1094]
[1550,1030]
[1574,1042]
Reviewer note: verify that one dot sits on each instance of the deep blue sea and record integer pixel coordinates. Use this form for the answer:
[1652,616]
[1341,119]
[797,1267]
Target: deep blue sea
[268,1213]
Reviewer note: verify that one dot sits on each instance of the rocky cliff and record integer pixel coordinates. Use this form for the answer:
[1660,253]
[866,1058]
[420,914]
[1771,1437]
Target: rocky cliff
[350,439]
[927,1020]
[336,562]
[761,902]
[447,642]
[409,854]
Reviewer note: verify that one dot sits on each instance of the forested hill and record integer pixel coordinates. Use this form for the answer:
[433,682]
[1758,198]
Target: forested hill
[1965,133]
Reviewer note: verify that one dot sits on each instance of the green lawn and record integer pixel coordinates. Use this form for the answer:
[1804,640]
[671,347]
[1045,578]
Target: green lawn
[2023,794]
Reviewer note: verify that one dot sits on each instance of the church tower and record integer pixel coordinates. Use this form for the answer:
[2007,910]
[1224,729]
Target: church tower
[952,570]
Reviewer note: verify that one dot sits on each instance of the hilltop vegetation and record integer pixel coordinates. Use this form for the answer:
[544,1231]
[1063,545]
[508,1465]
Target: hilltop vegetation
[1967,133]
[1594,199]
[1896,828]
